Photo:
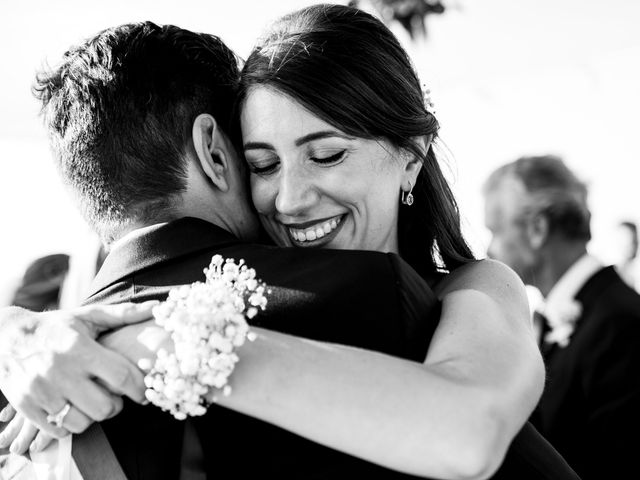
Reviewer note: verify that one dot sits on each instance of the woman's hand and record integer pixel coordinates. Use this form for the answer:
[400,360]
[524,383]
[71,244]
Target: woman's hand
[51,359]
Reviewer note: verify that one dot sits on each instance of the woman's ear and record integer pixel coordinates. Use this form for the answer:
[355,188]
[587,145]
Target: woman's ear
[211,151]
[414,163]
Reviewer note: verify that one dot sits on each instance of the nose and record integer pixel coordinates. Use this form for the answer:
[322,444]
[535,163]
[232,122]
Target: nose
[297,192]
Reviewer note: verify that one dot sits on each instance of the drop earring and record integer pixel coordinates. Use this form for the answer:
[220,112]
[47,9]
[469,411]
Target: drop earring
[407,198]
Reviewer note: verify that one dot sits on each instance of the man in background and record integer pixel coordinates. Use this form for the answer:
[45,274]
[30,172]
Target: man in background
[589,324]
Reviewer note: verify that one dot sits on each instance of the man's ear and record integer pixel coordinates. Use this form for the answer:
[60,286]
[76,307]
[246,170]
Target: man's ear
[538,230]
[211,150]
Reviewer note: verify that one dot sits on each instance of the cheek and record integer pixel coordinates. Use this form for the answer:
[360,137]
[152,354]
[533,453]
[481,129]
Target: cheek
[382,198]
[262,195]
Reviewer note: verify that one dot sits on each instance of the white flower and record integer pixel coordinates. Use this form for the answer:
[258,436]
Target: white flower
[206,321]
[562,318]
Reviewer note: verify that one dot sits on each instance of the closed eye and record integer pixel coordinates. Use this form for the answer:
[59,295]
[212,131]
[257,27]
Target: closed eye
[330,159]
[263,167]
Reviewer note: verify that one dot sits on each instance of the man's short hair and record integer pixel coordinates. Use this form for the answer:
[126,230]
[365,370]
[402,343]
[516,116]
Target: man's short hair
[554,192]
[119,111]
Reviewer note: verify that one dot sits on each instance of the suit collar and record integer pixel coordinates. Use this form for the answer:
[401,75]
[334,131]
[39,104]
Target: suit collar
[586,297]
[567,287]
[596,284]
[152,245]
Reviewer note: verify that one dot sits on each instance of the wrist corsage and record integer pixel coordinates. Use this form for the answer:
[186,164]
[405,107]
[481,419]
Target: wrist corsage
[207,321]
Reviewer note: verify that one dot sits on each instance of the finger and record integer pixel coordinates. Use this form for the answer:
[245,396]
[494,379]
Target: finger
[45,399]
[107,317]
[145,364]
[95,401]
[76,421]
[38,417]
[26,435]
[7,413]
[119,375]
[118,404]
[41,442]
[11,431]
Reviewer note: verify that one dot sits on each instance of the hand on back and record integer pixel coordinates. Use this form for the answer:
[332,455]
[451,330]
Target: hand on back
[52,359]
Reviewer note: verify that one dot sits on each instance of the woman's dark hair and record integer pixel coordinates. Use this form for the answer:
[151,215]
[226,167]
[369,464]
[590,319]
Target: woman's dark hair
[348,69]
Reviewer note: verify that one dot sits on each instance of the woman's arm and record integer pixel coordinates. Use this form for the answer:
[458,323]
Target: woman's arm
[452,417]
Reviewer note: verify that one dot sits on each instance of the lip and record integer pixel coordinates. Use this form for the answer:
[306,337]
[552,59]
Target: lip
[302,226]
[319,241]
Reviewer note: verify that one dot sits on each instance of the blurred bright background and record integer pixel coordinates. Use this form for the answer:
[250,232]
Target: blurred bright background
[509,78]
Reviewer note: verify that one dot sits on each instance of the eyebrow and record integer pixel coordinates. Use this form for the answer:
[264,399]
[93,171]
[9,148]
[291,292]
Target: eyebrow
[300,141]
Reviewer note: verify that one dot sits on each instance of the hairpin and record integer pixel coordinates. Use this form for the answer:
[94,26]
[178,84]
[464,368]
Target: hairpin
[428,101]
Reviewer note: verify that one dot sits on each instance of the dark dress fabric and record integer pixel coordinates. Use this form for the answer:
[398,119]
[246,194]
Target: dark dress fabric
[365,299]
[590,409]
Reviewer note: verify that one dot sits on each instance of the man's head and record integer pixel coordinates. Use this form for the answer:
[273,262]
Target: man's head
[535,205]
[124,110]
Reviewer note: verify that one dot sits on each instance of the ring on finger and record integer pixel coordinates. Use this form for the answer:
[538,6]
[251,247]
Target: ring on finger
[58,417]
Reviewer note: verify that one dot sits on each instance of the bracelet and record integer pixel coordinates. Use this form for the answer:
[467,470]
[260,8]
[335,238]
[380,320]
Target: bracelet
[207,321]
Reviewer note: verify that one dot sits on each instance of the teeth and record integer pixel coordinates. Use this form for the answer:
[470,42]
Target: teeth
[315,232]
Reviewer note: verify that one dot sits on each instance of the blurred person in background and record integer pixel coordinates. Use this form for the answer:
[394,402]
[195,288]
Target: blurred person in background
[42,283]
[626,250]
[589,323]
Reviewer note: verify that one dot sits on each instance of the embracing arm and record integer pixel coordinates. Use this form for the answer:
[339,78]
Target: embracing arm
[452,417]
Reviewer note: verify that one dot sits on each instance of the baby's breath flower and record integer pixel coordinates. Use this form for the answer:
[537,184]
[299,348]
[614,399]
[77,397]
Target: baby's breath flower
[206,321]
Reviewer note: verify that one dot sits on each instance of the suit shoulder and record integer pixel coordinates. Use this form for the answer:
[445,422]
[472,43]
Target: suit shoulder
[618,299]
[320,261]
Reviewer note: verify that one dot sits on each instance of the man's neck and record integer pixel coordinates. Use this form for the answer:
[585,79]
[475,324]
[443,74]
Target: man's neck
[132,230]
[557,259]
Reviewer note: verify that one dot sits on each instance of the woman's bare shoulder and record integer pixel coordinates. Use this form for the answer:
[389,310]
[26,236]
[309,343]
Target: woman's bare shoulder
[493,278]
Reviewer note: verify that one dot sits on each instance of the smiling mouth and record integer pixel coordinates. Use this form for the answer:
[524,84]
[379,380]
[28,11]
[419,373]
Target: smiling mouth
[316,233]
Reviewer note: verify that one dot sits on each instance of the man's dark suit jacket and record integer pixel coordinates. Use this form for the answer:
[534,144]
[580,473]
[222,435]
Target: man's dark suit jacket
[365,299]
[590,410]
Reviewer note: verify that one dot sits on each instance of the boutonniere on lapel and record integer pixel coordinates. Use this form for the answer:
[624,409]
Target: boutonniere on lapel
[561,319]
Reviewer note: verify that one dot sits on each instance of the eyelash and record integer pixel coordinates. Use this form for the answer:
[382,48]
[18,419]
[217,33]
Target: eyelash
[336,157]
[262,170]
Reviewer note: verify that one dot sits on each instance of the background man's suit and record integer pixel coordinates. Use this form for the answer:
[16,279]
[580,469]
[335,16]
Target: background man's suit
[590,410]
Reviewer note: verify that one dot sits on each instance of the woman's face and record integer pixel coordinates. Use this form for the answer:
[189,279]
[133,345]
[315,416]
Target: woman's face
[315,186]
